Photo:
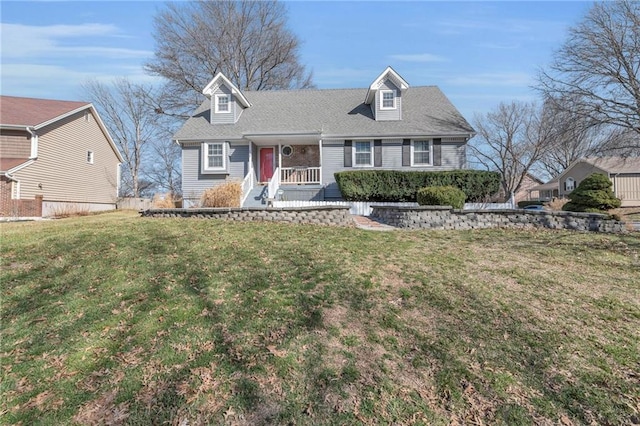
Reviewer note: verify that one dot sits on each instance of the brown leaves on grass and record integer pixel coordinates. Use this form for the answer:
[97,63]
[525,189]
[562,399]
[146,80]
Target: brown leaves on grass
[103,411]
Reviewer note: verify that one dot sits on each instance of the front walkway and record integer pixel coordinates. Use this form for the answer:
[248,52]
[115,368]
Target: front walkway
[365,222]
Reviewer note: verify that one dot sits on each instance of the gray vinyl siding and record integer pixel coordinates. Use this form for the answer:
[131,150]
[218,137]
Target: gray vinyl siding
[194,182]
[453,158]
[388,114]
[228,117]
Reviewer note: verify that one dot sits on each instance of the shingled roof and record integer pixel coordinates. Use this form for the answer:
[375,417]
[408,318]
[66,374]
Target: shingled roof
[338,113]
[15,111]
[615,164]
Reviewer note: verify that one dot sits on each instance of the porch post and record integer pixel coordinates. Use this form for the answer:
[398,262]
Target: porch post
[320,157]
[250,165]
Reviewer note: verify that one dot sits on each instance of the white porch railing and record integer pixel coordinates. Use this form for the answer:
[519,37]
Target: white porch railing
[247,184]
[293,175]
[274,183]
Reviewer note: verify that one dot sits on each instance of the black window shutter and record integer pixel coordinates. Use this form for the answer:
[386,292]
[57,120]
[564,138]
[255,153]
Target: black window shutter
[437,152]
[347,154]
[377,152]
[406,152]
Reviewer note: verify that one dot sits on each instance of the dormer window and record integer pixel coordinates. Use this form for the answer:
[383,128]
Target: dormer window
[387,99]
[222,103]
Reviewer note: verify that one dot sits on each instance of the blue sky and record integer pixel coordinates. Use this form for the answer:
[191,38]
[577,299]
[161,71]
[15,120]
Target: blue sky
[479,53]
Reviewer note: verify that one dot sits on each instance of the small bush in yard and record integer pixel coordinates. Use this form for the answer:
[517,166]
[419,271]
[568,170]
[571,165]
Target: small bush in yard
[228,194]
[594,194]
[441,196]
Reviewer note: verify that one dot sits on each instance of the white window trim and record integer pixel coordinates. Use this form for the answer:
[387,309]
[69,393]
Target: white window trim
[90,157]
[15,190]
[395,99]
[205,157]
[217,103]
[566,184]
[413,163]
[353,154]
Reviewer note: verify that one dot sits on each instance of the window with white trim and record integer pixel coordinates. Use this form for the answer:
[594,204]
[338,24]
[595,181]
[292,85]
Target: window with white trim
[570,184]
[90,157]
[421,153]
[214,158]
[363,154]
[387,99]
[222,103]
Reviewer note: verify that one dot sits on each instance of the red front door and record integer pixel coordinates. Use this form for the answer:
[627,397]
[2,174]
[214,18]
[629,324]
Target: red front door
[266,164]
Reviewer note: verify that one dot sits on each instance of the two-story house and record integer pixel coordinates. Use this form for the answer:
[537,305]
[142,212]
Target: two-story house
[55,157]
[296,140]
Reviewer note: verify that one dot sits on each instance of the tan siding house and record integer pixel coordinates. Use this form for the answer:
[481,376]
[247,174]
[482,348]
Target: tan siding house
[59,151]
[623,172]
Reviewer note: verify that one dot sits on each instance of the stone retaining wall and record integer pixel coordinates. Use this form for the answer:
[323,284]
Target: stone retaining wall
[322,215]
[444,217]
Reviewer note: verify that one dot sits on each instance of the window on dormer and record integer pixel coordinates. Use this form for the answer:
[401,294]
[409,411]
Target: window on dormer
[222,103]
[388,99]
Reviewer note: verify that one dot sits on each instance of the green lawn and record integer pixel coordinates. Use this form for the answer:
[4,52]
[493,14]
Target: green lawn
[116,319]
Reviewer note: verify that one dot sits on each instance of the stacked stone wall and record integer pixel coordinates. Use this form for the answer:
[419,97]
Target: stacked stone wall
[444,217]
[324,215]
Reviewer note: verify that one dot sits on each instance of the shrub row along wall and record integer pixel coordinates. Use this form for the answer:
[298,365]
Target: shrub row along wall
[321,215]
[443,217]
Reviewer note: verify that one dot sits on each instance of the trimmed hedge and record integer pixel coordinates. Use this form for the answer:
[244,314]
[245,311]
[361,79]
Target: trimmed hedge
[402,186]
[441,196]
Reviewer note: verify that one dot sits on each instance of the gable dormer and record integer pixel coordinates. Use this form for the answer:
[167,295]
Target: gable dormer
[385,96]
[227,101]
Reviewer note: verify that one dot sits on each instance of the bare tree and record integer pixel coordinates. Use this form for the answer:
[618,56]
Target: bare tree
[132,125]
[598,67]
[575,135]
[164,170]
[246,40]
[510,140]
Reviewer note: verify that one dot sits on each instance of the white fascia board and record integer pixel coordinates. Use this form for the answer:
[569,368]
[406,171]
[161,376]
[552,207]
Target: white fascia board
[20,167]
[213,86]
[106,133]
[60,117]
[387,73]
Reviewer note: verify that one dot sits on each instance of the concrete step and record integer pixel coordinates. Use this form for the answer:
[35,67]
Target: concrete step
[255,197]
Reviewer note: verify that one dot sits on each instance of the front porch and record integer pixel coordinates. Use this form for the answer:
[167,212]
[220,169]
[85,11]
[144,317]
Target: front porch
[284,165]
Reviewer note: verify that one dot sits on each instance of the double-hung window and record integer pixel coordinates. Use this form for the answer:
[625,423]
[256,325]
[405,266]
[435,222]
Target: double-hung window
[214,156]
[388,99]
[222,103]
[421,153]
[363,154]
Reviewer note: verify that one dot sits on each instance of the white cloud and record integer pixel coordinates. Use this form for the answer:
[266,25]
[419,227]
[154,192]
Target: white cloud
[53,41]
[418,57]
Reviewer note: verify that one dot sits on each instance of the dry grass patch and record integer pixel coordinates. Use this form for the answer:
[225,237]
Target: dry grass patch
[228,194]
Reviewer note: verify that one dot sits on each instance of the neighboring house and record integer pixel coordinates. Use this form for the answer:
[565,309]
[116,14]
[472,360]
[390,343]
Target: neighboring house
[524,193]
[544,192]
[623,172]
[55,157]
[295,140]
